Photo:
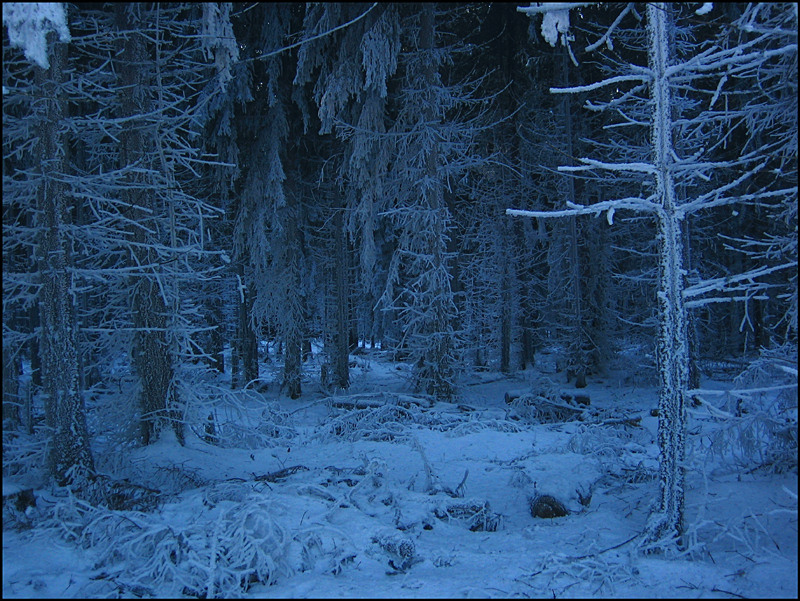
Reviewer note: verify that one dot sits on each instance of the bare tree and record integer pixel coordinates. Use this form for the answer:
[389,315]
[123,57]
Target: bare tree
[670,205]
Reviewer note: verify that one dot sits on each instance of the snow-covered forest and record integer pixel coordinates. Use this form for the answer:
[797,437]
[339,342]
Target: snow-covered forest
[400,300]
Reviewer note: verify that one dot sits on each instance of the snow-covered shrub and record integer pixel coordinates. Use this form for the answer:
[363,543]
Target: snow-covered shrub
[24,453]
[475,424]
[595,575]
[243,419]
[624,452]
[751,533]
[383,423]
[326,552]
[219,552]
[538,409]
[372,493]
[756,425]
[162,476]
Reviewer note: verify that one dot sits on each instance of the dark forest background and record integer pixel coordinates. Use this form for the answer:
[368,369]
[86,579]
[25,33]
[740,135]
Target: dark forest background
[191,189]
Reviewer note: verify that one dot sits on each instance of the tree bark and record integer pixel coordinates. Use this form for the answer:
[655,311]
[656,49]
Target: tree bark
[293,311]
[341,369]
[151,351]
[65,413]
[434,371]
[11,373]
[667,522]
[576,345]
[505,319]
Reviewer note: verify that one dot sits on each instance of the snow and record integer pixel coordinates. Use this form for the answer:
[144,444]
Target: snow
[28,24]
[704,9]
[555,22]
[359,507]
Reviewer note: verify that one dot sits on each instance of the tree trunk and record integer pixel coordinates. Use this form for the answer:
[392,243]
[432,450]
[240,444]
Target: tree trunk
[11,398]
[216,338]
[244,360]
[33,349]
[247,340]
[577,359]
[151,351]
[152,359]
[341,370]
[666,525]
[64,407]
[434,371]
[505,319]
[293,310]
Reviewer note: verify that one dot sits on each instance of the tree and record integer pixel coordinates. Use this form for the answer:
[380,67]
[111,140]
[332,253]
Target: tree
[670,205]
[41,181]
[432,135]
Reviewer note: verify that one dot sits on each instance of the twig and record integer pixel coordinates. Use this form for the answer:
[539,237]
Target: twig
[460,488]
[605,550]
[429,475]
[719,590]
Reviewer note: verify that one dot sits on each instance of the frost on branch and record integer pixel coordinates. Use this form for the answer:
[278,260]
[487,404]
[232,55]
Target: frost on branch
[755,427]
[555,22]
[218,40]
[28,24]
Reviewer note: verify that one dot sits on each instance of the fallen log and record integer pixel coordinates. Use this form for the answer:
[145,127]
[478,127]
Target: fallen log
[513,395]
[373,401]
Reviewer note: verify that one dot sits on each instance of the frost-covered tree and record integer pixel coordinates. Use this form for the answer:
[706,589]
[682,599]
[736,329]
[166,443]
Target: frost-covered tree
[269,220]
[431,142]
[674,183]
[350,71]
[34,175]
[135,234]
[161,69]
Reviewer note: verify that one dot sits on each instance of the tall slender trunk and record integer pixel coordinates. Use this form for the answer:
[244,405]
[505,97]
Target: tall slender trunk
[151,351]
[505,318]
[436,372]
[667,522]
[293,329]
[577,359]
[244,367]
[11,373]
[65,413]
[216,337]
[341,292]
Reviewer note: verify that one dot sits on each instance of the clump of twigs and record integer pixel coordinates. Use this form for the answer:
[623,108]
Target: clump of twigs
[475,515]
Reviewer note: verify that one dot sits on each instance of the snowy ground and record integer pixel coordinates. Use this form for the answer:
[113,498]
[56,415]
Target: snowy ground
[357,517]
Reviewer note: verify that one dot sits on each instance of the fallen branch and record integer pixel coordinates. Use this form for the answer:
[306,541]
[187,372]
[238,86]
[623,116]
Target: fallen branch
[627,421]
[281,474]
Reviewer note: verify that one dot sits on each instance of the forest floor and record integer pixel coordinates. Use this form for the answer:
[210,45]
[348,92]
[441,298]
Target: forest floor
[396,497]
